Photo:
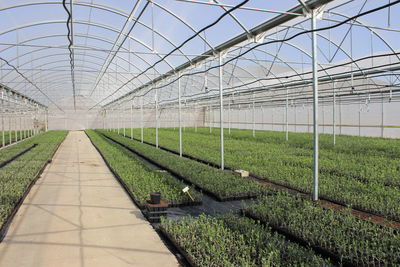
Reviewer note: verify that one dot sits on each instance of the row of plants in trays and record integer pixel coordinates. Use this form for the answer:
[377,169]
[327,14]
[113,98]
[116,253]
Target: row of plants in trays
[11,152]
[141,179]
[17,176]
[11,135]
[354,241]
[372,146]
[364,168]
[220,184]
[230,240]
[270,161]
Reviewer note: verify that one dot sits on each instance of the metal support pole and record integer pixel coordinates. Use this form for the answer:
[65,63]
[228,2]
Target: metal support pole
[382,116]
[9,129]
[195,117]
[209,119]
[221,112]
[132,120]
[180,116]
[254,118]
[20,127]
[229,117]
[118,121]
[141,115]
[124,124]
[334,113]
[286,114]
[315,103]
[156,112]
[15,128]
[2,129]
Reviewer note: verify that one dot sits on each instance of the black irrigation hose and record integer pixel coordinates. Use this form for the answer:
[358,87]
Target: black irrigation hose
[69,32]
[279,41]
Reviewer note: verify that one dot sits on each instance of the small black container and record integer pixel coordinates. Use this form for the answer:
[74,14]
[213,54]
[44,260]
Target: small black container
[155,197]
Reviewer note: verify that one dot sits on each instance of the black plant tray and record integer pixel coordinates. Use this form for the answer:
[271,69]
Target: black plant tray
[189,260]
[335,258]
[4,163]
[10,217]
[197,186]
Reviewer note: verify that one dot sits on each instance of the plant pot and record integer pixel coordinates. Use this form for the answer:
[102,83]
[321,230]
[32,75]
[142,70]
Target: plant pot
[155,197]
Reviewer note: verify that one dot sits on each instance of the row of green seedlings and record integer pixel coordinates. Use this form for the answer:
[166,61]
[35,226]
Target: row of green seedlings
[14,136]
[372,146]
[17,176]
[140,178]
[11,152]
[270,162]
[352,240]
[366,168]
[264,237]
[222,185]
[231,240]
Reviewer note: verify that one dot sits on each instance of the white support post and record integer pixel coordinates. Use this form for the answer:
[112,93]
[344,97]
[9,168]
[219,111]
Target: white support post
[315,104]
[229,117]
[156,113]
[209,119]
[254,118]
[382,116]
[124,123]
[132,119]
[15,127]
[118,122]
[20,127]
[286,115]
[180,116]
[221,112]
[2,128]
[141,115]
[9,129]
[334,113]
[195,117]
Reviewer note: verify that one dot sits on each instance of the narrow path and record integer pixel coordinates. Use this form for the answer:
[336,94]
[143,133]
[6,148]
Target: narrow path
[78,215]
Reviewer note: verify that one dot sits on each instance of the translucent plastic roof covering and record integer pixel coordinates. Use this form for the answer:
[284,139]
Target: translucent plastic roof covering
[112,49]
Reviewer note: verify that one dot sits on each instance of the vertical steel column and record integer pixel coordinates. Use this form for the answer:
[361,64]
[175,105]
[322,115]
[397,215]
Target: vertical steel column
[286,114]
[118,121]
[20,127]
[359,117]
[195,117]
[141,115]
[9,129]
[334,113]
[382,115]
[254,118]
[221,112]
[132,119]
[124,124]
[180,116]
[209,118]
[229,116]
[315,103]
[156,112]
[2,127]
[23,125]
[15,127]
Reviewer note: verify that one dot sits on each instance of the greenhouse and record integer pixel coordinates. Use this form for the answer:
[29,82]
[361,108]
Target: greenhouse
[200,133]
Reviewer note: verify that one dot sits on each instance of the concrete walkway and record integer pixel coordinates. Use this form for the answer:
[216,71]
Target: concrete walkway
[78,215]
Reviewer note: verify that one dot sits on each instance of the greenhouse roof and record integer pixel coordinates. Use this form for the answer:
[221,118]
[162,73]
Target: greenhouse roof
[109,52]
